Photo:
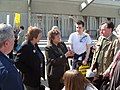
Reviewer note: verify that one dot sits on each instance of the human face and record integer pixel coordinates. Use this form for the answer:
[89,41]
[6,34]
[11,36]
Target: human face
[79,28]
[104,31]
[38,38]
[57,39]
[8,45]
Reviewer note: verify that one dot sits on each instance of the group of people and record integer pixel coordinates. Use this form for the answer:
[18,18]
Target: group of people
[106,57]
[104,69]
[28,66]
[19,35]
[26,71]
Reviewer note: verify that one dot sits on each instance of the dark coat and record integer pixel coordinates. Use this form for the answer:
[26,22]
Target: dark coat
[30,62]
[10,79]
[57,64]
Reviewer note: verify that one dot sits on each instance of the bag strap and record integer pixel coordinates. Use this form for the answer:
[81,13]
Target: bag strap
[83,38]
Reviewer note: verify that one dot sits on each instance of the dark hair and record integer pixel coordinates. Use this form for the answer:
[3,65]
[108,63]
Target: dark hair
[22,27]
[51,35]
[80,22]
[109,25]
[33,32]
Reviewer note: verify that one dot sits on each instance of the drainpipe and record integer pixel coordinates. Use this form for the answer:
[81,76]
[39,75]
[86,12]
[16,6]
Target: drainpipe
[29,12]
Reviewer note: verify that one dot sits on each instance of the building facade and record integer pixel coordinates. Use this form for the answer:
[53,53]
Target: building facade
[62,13]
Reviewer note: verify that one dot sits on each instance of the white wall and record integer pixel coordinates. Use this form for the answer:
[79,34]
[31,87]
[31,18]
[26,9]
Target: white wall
[13,5]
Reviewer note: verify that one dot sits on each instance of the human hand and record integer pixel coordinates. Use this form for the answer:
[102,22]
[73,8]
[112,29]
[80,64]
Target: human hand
[69,54]
[106,74]
[84,62]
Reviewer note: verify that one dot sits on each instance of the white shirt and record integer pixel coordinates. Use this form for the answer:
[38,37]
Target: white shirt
[78,42]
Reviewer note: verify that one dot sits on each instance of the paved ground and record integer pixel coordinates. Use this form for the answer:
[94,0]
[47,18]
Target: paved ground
[45,83]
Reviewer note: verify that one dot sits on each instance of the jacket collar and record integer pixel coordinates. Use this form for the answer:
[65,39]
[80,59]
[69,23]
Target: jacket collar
[7,58]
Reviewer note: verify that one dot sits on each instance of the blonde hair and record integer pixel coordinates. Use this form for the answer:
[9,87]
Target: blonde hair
[74,80]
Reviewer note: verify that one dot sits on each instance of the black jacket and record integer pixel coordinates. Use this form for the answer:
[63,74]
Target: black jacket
[30,61]
[57,63]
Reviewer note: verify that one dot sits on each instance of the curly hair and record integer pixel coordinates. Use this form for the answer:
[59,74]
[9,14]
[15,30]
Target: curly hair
[51,35]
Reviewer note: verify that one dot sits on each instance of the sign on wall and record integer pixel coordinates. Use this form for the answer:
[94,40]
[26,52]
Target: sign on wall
[17,19]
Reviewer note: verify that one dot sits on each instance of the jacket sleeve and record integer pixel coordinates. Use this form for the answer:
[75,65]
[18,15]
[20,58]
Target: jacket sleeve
[42,59]
[8,80]
[3,74]
[43,64]
[22,62]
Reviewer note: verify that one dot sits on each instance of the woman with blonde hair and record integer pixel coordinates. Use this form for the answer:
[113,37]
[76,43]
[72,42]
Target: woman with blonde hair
[74,80]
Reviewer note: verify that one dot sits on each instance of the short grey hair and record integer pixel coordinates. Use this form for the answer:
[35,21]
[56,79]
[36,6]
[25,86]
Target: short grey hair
[6,32]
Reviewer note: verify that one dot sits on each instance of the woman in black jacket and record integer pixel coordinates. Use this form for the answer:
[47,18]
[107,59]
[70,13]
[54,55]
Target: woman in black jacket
[57,59]
[30,60]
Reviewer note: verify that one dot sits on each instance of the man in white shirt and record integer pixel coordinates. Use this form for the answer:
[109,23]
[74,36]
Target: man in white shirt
[80,44]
